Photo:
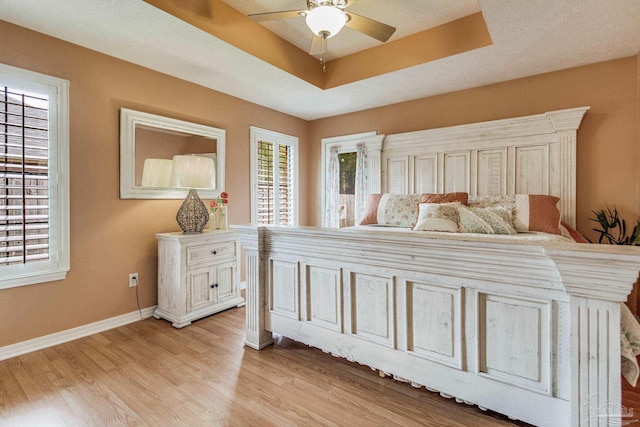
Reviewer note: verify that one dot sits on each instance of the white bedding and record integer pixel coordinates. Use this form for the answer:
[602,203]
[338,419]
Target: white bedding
[532,236]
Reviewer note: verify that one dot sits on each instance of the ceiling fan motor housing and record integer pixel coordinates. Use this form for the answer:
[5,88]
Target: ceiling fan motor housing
[337,3]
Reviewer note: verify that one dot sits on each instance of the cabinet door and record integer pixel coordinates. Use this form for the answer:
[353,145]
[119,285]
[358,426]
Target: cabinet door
[226,275]
[199,286]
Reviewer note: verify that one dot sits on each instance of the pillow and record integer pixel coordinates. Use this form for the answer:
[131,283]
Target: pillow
[531,212]
[574,234]
[506,201]
[398,209]
[402,209]
[371,210]
[537,212]
[445,198]
[491,220]
[438,217]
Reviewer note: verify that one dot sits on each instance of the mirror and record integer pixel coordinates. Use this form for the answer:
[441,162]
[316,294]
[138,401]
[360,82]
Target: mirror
[145,136]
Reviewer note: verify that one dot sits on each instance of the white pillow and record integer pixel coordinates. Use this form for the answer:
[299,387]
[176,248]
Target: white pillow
[437,217]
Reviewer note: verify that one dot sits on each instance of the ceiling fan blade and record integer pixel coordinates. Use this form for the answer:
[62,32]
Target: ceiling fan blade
[347,3]
[318,46]
[259,17]
[372,28]
[199,7]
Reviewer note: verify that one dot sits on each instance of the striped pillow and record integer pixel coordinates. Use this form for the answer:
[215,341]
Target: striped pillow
[531,212]
[438,217]
[492,220]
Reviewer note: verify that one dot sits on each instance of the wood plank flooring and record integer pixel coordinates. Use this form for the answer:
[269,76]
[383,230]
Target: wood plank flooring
[631,403]
[151,374]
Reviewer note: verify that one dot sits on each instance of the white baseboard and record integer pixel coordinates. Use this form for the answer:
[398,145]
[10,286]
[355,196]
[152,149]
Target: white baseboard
[243,285]
[28,346]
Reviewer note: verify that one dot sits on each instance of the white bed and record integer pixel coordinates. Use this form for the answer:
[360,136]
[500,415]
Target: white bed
[527,327]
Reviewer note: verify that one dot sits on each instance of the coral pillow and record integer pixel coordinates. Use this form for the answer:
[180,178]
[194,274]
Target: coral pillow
[537,212]
[575,234]
[371,210]
[445,198]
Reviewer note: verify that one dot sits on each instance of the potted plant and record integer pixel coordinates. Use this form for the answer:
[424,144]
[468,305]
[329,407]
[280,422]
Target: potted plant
[613,229]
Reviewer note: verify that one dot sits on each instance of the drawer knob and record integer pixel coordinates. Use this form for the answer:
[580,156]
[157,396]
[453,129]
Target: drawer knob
[215,285]
[214,252]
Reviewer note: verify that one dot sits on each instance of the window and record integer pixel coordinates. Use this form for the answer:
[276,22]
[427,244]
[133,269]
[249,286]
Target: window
[274,177]
[347,193]
[34,204]
[345,203]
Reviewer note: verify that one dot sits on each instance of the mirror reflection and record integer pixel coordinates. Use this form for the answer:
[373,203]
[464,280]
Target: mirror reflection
[148,145]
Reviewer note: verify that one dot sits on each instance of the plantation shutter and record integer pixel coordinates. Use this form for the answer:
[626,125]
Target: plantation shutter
[275,183]
[24,176]
[265,182]
[285,182]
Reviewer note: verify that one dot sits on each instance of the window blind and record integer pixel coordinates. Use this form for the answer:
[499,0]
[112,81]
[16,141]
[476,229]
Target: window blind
[24,176]
[285,185]
[275,183]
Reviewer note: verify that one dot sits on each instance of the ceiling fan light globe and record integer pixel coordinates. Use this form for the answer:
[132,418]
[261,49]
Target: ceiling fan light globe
[326,21]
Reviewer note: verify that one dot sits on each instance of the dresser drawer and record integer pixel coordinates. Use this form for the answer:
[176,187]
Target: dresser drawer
[210,253]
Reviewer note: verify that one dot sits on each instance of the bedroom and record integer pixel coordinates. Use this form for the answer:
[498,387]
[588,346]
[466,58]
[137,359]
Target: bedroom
[111,238]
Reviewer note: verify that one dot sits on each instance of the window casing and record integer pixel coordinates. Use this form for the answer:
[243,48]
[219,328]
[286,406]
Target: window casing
[274,177]
[34,185]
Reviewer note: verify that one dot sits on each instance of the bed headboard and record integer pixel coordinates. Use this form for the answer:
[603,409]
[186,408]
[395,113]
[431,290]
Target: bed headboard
[531,154]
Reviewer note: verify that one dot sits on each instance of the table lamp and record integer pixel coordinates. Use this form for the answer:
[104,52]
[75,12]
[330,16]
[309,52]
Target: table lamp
[193,172]
[156,173]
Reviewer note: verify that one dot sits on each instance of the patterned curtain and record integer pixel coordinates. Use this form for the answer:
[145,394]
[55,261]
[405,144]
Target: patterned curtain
[362,185]
[332,208]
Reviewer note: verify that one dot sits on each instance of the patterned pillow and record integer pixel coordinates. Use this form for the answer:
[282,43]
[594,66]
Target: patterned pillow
[492,220]
[531,212]
[398,209]
[505,201]
[438,217]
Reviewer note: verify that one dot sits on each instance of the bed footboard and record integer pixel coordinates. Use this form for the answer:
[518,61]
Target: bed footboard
[529,330]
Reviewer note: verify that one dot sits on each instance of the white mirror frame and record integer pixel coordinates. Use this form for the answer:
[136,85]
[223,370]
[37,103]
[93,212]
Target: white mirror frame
[129,119]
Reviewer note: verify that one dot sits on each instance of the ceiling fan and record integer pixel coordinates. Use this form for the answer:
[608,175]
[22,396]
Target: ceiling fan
[325,18]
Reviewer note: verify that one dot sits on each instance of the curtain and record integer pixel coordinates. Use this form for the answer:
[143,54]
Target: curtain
[362,185]
[332,208]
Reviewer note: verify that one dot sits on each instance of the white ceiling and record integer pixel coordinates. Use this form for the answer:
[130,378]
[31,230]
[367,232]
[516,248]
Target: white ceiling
[529,37]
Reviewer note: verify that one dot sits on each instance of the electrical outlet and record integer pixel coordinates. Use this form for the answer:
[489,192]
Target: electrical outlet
[133,280]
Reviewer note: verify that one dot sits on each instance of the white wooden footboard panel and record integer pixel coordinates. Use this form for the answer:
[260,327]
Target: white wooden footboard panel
[503,398]
[528,330]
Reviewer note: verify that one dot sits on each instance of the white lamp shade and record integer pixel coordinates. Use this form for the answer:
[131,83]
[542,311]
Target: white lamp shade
[193,172]
[326,21]
[156,172]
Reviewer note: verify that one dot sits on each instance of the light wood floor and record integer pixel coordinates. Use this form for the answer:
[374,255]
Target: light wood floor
[150,374]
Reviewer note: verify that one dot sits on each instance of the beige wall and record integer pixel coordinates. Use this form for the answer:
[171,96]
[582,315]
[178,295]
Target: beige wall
[608,139]
[111,238]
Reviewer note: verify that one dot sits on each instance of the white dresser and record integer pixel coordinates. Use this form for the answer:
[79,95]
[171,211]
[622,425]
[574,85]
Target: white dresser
[197,275]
